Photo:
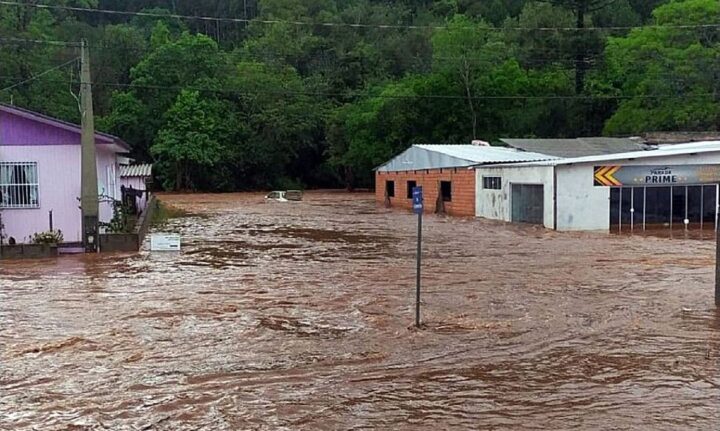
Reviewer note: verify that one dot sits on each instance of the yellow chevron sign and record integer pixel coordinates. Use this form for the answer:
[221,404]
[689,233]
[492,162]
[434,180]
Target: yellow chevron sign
[604,176]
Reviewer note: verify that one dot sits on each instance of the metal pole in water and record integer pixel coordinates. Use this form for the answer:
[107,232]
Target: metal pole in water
[418,208]
[417,284]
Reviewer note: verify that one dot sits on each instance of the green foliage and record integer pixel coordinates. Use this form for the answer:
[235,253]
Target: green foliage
[120,222]
[191,138]
[668,73]
[224,106]
[52,237]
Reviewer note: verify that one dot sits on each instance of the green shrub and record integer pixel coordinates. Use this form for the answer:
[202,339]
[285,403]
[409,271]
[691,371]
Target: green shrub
[49,237]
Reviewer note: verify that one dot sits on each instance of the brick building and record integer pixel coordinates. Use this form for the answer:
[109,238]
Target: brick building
[446,173]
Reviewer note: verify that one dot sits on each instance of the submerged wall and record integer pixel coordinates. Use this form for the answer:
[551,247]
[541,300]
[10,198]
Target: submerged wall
[462,184]
[497,204]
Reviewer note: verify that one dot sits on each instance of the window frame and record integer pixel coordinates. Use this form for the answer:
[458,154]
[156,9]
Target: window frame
[31,187]
[446,197]
[492,182]
[410,189]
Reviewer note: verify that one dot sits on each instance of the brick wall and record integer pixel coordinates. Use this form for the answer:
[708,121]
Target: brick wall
[463,189]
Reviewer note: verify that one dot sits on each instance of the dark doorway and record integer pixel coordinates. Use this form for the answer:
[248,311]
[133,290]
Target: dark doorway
[390,189]
[446,191]
[709,206]
[657,207]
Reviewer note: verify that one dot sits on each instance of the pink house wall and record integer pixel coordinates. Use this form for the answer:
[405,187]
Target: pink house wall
[56,150]
[59,188]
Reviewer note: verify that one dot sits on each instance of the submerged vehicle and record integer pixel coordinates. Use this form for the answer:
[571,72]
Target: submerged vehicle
[284,196]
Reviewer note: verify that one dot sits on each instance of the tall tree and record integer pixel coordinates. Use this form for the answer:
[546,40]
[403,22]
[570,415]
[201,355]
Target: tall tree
[192,138]
[465,50]
[581,9]
[667,74]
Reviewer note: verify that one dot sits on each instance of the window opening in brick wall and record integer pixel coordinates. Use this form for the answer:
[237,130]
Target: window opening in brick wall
[410,186]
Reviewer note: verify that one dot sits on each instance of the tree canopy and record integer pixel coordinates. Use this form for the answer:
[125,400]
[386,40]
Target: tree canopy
[316,93]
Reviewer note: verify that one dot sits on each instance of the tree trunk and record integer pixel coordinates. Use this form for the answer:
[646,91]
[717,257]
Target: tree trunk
[468,91]
[349,179]
[580,66]
[178,176]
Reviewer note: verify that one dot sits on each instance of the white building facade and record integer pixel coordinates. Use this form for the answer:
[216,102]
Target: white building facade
[565,195]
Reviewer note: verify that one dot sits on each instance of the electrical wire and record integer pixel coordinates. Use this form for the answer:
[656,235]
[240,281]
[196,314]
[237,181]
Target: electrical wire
[40,75]
[559,58]
[343,24]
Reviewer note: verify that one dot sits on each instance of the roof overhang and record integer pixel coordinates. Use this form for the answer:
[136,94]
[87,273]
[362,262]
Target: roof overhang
[100,138]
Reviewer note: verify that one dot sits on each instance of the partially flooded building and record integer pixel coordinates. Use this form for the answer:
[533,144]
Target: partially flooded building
[40,175]
[660,187]
[445,172]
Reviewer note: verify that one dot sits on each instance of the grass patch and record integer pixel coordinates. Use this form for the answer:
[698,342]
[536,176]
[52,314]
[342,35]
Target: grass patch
[165,212]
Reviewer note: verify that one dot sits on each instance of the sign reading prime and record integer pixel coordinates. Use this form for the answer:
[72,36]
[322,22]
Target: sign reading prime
[638,175]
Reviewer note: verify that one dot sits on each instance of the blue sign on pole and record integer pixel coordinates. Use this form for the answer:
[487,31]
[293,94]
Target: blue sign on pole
[417,194]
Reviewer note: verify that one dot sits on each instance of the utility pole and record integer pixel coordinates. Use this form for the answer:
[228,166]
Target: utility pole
[89,202]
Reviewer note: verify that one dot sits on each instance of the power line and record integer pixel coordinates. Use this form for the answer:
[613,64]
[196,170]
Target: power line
[40,41]
[260,56]
[344,24]
[40,75]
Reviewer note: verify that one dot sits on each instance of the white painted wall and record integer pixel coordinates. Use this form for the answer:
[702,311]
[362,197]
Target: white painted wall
[497,205]
[582,206]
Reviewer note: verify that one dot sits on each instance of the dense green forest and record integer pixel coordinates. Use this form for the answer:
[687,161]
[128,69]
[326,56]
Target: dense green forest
[242,94]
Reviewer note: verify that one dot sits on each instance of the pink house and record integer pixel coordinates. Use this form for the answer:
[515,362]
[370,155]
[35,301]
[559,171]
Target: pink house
[40,174]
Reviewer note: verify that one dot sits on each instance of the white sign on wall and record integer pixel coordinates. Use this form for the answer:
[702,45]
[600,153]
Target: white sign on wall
[164,242]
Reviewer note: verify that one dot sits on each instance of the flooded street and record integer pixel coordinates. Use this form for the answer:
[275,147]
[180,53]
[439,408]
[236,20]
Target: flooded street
[299,316]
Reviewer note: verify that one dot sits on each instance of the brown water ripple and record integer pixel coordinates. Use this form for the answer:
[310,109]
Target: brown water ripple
[298,316]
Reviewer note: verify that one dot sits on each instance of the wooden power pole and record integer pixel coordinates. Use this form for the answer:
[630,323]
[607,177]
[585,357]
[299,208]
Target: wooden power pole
[89,201]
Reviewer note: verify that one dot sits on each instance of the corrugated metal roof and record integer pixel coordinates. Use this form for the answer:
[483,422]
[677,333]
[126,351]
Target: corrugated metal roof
[578,147]
[485,154]
[662,151]
[144,171]
[420,157]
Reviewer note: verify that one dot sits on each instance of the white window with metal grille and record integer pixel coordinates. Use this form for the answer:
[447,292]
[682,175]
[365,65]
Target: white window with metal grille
[19,187]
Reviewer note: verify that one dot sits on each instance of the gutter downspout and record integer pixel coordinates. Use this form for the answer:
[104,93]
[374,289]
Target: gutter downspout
[554,168]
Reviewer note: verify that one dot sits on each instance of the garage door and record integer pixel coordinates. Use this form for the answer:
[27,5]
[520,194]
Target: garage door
[527,203]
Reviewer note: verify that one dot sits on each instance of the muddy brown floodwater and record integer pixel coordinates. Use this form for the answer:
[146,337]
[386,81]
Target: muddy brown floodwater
[297,316]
